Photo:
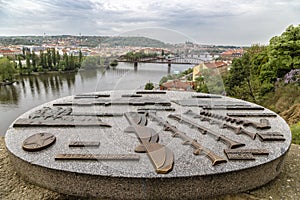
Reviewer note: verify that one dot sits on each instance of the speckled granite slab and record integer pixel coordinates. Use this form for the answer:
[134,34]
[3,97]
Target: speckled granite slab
[192,176]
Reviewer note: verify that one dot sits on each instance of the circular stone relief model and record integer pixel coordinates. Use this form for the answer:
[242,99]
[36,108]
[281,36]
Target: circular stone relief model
[148,144]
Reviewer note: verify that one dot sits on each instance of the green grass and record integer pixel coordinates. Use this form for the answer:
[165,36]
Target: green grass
[296,133]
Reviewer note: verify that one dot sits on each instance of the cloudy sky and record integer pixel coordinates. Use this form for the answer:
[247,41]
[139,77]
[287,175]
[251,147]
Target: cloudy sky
[227,22]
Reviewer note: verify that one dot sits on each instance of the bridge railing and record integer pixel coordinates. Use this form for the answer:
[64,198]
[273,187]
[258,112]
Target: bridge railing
[173,60]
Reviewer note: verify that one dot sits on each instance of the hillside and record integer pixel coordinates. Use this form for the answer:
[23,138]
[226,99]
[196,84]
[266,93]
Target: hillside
[133,41]
[90,41]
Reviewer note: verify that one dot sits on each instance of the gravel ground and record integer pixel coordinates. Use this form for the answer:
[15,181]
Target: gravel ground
[286,186]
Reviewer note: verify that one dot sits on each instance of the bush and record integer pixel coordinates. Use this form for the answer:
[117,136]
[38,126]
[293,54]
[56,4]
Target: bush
[149,86]
[266,88]
[296,133]
[283,98]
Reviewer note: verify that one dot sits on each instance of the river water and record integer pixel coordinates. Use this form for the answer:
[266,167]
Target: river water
[38,89]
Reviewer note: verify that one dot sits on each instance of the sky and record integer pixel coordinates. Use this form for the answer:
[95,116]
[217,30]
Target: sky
[219,22]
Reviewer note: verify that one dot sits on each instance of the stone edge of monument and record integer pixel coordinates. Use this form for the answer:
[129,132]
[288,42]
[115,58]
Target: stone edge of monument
[167,188]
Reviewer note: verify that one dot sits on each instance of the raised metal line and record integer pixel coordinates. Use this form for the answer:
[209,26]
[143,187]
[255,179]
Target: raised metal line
[99,114]
[231,143]
[207,96]
[84,144]
[117,103]
[156,109]
[79,96]
[55,123]
[244,154]
[263,124]
[131,95]
[253,151]
[271,136]
[95,157]
[232,108]
[236,129]
[151,92]
[240,156]
[215,159]
[251,115]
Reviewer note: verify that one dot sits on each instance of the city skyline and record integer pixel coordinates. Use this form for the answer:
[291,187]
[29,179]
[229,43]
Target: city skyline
[207,22]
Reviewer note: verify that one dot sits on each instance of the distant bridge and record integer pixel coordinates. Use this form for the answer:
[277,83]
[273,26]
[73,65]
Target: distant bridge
[181,60]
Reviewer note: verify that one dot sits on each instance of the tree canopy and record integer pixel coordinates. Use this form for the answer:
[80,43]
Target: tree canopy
[284,52]
[7,70]
[256,73]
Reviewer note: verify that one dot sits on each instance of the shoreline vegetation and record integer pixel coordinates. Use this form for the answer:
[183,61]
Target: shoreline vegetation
[48,63]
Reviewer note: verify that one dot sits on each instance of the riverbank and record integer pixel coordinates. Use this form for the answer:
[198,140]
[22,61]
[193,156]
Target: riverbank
[285,186]
[5,83]
[47,72]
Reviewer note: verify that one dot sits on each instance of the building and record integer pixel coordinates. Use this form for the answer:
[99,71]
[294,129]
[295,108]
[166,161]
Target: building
[220,66]
[232,53]
[149,50]
[10,52]
[177,85]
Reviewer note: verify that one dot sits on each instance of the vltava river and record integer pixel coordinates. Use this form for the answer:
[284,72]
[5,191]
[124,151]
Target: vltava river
[36,90]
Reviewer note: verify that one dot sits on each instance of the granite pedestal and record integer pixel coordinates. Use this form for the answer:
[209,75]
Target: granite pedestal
[99,117]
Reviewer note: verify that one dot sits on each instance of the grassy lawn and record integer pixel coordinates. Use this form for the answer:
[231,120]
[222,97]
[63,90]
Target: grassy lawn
[296,133]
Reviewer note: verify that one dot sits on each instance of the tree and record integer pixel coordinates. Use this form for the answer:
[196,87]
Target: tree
[149,86]
[57,57]
[49,60]
[66,60]
[34,61]
[254,76]
[80,56]
[54,59]
[163,80]
[20,64]
[284,52]
[23,51]
[62,65]
[72,63]
[91,62]
[28,63]
[200,85]
[43,60]
[243,80]
[210,81]
[239,72]
[113,63]
[7,70]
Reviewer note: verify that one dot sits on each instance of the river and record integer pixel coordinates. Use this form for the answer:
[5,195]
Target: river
[38,89]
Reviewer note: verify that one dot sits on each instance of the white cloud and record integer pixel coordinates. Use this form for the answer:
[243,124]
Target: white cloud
[208,21]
